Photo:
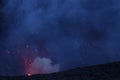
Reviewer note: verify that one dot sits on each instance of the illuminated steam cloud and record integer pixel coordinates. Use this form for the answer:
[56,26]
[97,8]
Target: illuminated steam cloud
[43,66]
[75,32]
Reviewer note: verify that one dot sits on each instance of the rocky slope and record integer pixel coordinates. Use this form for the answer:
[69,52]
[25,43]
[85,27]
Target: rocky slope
[110,71]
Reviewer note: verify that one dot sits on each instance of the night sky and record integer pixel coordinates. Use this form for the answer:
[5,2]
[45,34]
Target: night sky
[46,36]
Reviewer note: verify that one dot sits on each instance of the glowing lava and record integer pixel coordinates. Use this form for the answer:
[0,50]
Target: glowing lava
[27,62]
[28,54]
[35,61]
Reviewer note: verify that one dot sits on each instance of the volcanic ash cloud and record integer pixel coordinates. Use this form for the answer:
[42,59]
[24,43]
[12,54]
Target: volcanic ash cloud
[43,66]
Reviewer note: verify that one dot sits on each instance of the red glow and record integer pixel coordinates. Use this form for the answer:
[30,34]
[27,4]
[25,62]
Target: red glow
[28,53]
[27,62]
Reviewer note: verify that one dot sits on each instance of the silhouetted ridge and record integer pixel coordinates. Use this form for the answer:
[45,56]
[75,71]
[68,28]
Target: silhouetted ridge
[110,71]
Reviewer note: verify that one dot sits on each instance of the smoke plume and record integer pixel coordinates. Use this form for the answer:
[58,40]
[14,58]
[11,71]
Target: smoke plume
[71,33]
[43,66]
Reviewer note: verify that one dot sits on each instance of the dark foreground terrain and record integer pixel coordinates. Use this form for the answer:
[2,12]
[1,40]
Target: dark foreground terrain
[110,71]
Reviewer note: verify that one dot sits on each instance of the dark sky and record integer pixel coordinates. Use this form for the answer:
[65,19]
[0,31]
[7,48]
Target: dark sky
[71,33]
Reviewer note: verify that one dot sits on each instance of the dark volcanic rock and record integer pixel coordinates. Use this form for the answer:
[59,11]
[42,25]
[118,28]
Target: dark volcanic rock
[109,71]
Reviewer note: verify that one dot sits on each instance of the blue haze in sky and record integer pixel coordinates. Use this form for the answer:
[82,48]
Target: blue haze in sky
[74,33]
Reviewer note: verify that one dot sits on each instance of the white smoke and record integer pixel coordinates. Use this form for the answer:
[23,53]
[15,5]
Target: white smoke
[43,66]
